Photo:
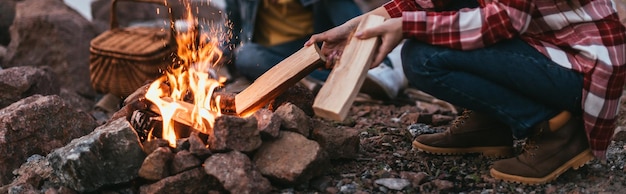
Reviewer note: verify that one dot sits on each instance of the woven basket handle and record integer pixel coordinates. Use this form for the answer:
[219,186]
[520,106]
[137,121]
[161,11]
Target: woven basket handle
[115,24]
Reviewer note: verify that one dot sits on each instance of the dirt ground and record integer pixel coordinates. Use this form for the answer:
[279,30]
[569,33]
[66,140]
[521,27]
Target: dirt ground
[386,152]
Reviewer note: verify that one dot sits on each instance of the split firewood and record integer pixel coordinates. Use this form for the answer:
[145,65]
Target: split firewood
[278,79]
[338,93]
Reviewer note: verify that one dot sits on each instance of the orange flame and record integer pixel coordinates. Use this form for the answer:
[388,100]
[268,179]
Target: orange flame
[198,55]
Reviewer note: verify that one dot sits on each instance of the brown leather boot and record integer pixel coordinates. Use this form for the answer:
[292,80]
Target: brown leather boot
[547,154]
[471,132]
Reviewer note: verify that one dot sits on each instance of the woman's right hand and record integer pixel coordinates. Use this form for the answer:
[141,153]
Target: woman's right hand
[334,40]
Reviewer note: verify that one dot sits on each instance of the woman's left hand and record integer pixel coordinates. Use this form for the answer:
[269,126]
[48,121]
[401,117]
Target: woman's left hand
[390,33]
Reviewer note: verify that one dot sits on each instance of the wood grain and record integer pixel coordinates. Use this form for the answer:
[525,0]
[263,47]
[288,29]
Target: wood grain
[278,79]
[338,93]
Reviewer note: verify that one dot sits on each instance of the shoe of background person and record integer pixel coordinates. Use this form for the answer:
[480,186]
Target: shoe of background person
[312,84]
[387,79]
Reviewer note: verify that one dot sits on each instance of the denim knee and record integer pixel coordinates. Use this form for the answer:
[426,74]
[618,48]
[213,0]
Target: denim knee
[421,63]
[252,61]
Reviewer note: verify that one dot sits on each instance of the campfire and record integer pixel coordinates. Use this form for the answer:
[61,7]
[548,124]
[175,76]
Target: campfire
[191,78]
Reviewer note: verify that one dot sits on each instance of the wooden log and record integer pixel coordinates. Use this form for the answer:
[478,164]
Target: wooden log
[278,79]
[338,93]
[183,114]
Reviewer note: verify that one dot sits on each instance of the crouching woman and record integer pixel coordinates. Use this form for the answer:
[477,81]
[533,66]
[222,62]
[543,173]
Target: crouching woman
[550,71]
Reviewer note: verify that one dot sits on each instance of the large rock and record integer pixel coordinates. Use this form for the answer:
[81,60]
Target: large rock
[235,133]
[236,173]
[77,101]
[291,159]
[109,155]
[343,143]
[7,14]
[191,181]
[294,119]
[157,165]
[20,82]
[29,176]
[37,125]
[49,33]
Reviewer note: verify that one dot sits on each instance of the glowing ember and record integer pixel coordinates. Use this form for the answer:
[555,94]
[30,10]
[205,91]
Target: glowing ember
[191,78]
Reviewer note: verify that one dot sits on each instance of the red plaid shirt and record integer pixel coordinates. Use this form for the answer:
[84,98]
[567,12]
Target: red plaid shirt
[589,39]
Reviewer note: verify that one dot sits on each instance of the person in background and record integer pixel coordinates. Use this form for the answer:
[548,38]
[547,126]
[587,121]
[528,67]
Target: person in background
[267,31]
[550,71]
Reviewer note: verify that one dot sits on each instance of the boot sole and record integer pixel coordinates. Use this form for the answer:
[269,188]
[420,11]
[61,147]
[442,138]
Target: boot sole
[574,163]
[490,152]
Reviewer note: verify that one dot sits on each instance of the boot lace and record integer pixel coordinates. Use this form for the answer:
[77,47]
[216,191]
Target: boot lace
[459,121]
[530,146]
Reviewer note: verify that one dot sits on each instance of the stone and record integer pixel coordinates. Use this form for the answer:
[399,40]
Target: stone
[20,82]
[197,146]
[291,159]
[191,181]
[234,133]
[294,119]
[298,95]
[109,155]
[37,125]
[184,160]
[31,173]
[157,165]
[236,173]
[58,36]
[77,101]
[341,143]
[268,123]
[416,178]
[393,183]
[151,145]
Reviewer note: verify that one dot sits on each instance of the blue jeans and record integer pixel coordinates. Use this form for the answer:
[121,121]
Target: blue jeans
[510,81]
[254,59]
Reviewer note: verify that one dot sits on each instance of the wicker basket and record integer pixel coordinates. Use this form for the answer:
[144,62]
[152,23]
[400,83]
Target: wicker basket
[123,59]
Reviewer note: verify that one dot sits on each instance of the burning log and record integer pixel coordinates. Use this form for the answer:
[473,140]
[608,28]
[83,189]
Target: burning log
[183,114]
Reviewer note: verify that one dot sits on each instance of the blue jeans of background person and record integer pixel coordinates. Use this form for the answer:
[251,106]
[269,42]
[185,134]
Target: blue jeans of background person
[510,81]
[252,60]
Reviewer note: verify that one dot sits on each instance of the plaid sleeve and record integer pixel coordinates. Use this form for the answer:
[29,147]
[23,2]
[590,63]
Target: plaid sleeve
[396,7]
[468,28]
